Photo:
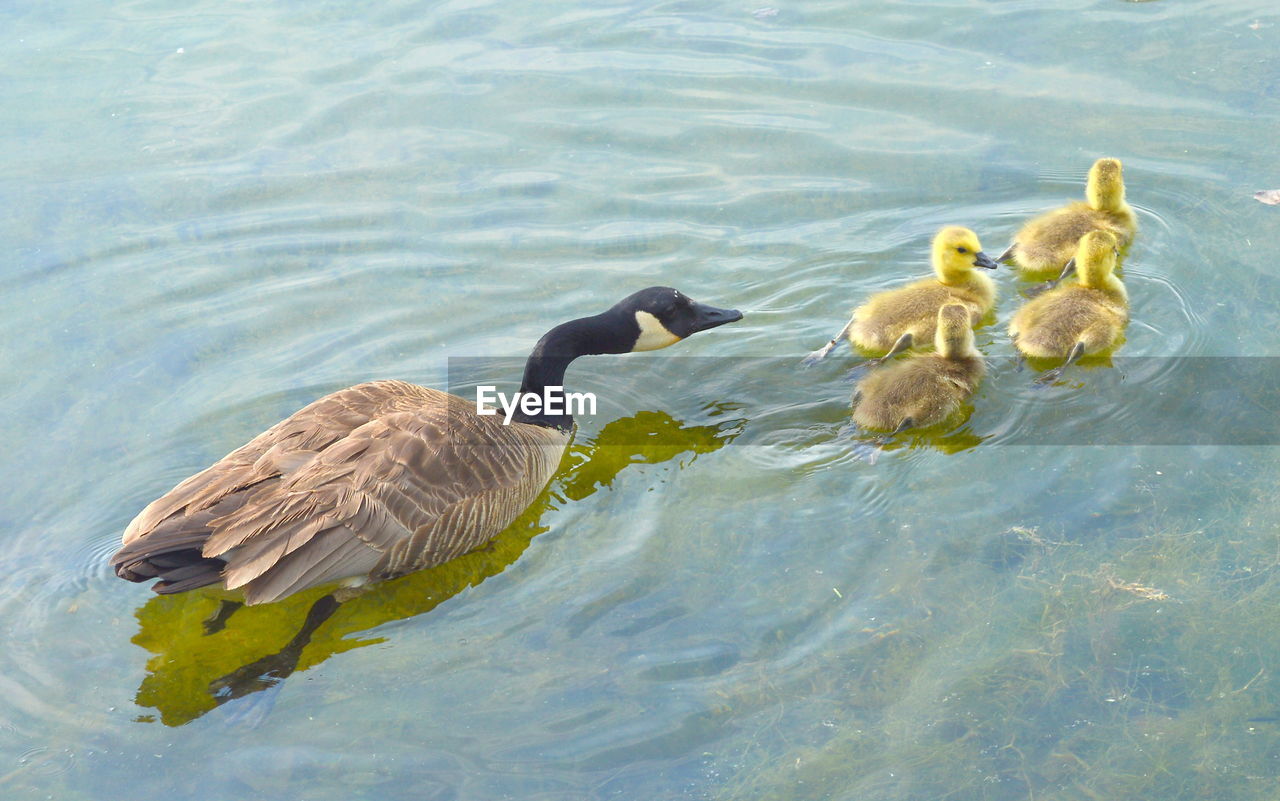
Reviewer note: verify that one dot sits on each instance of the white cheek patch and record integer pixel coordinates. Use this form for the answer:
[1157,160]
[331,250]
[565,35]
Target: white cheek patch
[653,334]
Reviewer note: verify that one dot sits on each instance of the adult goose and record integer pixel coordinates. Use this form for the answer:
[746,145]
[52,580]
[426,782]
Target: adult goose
[383,478]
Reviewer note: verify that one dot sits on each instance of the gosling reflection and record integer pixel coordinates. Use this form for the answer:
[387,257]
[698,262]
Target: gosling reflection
[204,642]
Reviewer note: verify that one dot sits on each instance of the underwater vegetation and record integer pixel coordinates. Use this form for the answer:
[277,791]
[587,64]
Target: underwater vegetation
[1121,661]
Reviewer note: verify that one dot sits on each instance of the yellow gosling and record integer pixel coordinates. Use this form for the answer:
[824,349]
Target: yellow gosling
[1045,244]
[892,321]
[928,387]
[1079,319]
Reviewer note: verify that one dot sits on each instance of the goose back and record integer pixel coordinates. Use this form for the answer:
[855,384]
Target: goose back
[368,483]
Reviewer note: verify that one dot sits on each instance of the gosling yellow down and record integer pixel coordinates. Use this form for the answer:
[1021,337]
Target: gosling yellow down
[1046,243]
[928,387]
[893,320]
[1078,319]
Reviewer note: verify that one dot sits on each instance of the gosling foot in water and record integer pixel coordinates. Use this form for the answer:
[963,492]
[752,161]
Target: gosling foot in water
[1040,289]
[818,355]
[1050,376]
[904,343]
[821,353]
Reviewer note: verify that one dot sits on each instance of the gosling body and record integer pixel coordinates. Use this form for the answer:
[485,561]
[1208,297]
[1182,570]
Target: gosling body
[1045,244]
[1076,319]
[383,478]
[896,319]
[926,388]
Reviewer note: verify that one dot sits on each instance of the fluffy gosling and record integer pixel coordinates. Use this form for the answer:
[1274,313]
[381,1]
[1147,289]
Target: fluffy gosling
[892,321]
[928,387]
[1045,244]
[1079,319]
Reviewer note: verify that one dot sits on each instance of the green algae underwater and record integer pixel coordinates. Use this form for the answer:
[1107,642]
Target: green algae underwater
[1136,667]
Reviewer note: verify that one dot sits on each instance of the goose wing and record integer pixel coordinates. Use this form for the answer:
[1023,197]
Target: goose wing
[275,452]
[374,481]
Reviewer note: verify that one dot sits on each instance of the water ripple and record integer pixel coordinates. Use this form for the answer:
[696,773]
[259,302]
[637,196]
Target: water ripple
[219,213]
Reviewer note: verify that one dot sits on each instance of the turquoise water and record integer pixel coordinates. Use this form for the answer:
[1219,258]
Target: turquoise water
[213,213]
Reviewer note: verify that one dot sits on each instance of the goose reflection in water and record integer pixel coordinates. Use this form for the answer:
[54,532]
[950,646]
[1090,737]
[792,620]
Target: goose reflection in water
[208,648]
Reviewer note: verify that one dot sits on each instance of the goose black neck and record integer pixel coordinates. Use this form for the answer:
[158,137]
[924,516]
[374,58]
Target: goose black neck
[603,333]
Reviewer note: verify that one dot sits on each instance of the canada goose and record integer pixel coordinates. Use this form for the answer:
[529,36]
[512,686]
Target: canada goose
[926,388]
[188,673]
[383,478]
[891,321]
[1076,319]
[1045,244]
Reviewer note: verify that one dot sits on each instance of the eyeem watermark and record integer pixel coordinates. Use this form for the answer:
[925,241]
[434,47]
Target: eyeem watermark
[1131,400]
[552,401]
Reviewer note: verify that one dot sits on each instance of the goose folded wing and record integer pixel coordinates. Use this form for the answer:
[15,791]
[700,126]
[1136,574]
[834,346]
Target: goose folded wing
[275,452]
[404,491]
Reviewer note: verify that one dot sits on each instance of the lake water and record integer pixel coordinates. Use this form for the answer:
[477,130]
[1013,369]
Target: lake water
[213,213]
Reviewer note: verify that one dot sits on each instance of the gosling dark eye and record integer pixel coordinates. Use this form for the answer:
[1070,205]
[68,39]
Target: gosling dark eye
[962,250]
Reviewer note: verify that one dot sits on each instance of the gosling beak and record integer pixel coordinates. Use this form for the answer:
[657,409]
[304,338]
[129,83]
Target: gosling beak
[707,317]
[983,260]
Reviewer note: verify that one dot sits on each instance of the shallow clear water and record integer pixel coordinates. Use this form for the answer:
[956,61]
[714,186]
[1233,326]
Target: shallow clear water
[212,213]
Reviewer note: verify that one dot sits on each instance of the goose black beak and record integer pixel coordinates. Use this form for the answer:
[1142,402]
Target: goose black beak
[983,260]
[707,317]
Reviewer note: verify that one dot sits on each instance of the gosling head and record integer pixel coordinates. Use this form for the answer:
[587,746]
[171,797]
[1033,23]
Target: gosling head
[954,335]
[956,251]
[659,316]
[1096,258]
[1105,191]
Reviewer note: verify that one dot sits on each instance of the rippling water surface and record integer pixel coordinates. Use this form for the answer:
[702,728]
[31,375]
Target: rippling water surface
[212,213]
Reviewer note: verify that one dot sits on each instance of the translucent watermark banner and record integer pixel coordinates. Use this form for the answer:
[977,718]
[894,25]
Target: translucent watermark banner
[1179,400]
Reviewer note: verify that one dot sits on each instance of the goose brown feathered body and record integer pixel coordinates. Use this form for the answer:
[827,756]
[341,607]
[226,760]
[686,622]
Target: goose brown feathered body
[374,481]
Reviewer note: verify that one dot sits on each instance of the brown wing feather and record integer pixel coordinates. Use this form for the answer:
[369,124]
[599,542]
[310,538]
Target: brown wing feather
[333,554]
[277,450]
[380,479]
